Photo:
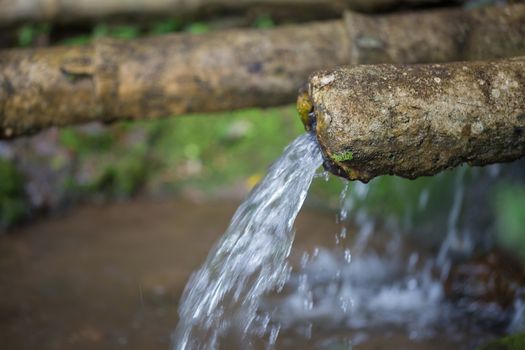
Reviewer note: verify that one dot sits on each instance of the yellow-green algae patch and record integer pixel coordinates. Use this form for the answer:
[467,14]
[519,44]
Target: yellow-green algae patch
[304,107]
[342,156]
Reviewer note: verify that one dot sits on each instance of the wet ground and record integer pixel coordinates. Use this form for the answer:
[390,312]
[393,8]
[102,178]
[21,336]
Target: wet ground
[110,277]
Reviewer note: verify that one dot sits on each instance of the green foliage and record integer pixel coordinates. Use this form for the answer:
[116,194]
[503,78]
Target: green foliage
[420,206]
[206,152]
[216,150]
[29,32]
[26,35]
[77,40]
[159,27]
[81,142]
[115,166]
[512,342]
[12,205]
[263,22]
[510,216]
[400,198]
[197,28]
[103,30]
[123,178]
[10,180]
[116,31]
[165,26]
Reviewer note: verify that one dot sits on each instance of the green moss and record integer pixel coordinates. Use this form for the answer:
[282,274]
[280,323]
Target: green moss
[342,156]
[512,342]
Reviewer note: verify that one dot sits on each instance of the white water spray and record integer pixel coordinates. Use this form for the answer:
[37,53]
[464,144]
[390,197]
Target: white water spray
[250,259]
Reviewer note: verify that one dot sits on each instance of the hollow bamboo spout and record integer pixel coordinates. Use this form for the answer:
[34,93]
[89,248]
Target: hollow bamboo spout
[177,74]
[417,120]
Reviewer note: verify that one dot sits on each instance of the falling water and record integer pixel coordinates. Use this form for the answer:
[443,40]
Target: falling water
[376,278]
[250,259]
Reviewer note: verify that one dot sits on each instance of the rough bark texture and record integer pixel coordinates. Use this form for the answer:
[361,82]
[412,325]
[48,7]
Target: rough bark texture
[437,36]
[64,11]
[233,69]
[161,76]
[417,120]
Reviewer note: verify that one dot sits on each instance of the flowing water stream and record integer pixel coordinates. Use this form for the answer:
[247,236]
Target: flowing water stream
[250,259]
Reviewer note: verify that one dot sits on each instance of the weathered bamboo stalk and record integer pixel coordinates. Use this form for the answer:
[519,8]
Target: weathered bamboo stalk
[178,74]
[64,11]
[417,120]
[154,77]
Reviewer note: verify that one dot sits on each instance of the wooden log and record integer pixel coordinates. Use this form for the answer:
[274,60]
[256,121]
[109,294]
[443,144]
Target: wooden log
[417,120]
[179,74]
[69,11]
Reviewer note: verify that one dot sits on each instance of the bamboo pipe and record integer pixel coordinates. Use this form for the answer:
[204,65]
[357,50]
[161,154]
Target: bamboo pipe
[68,11]
[178,74]
[417,120]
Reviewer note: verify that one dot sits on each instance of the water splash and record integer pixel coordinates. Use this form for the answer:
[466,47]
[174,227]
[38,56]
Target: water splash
[250,259]
[378,277]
